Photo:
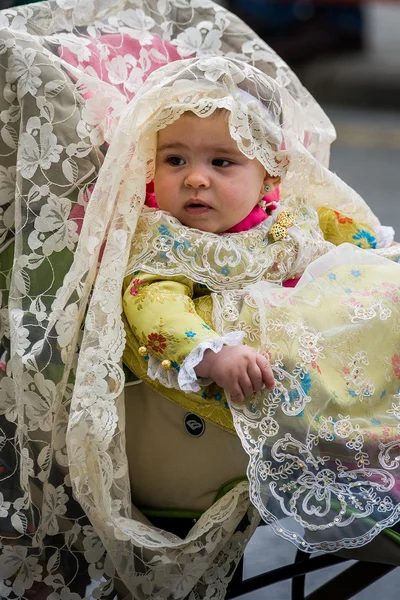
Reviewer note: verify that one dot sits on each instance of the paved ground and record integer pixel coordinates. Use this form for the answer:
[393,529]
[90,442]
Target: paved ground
[266,551]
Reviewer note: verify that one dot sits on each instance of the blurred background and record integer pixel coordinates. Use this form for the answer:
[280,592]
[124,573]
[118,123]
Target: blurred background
[347,54]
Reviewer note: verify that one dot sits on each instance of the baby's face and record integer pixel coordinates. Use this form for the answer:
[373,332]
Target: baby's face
[201,176]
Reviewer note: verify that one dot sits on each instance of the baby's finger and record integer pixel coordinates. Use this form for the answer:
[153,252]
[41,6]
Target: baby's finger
[246,385]
[255,375]
[267,374]
[236,394]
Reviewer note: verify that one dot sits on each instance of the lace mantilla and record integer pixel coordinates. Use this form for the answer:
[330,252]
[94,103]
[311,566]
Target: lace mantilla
[323,445]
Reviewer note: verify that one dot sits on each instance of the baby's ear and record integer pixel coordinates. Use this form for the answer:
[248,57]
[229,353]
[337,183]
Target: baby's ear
[270,182]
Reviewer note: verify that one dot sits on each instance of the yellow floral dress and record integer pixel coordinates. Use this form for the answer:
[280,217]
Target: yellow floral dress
[172,300]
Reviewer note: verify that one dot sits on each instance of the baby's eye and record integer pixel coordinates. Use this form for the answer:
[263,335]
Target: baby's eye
[175,161]
[221,162]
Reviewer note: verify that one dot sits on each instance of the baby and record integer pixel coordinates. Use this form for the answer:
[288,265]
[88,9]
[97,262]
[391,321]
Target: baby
[205,182]
[235,291]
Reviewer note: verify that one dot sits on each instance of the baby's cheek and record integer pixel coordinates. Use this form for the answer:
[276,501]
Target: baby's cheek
[232,189]
[160,184]
[166,193]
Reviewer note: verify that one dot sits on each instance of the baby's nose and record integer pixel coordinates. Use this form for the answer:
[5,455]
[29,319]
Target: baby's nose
[197,178]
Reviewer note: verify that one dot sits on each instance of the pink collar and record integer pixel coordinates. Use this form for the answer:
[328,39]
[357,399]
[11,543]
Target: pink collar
[256,216]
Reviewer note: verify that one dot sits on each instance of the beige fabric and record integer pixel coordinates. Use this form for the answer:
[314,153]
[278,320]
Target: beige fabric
[180,471]
[168,468]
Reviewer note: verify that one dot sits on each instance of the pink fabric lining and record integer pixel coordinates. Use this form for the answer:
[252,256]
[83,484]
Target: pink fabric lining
[114,57]
[257,216]
[291,282]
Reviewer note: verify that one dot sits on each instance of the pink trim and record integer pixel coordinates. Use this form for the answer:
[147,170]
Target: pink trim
[291,282]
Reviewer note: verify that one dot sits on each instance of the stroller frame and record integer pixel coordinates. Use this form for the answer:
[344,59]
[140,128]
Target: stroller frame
[349,582]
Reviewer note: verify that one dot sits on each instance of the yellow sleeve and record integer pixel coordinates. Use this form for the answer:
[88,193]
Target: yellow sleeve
[339,229]
[162,317]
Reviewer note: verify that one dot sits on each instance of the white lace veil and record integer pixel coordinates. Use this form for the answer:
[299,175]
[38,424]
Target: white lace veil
[347,494]
[66,80]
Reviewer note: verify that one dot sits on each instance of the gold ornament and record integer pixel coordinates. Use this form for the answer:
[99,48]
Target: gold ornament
[166,364]
[143,351]
[278,232]
[286,218]
[284,221]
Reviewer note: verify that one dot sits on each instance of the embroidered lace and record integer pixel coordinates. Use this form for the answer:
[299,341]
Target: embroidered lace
[69,69]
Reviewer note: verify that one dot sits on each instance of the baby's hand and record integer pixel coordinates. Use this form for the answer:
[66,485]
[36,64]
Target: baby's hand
[238,369]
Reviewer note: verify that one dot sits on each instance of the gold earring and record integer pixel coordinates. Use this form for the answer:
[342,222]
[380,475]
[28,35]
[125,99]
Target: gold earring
[285,220]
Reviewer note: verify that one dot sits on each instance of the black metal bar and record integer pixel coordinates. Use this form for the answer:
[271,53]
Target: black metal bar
[287,572]
[299,582]
[351,581]
[298,587]
[236,580]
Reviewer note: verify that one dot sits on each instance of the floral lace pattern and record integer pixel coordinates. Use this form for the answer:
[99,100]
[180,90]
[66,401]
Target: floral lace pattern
[323,444]
[67,519]
[229,261]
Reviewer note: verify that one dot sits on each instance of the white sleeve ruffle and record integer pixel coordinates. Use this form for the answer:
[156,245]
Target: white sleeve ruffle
[155,371]
[384,236]
[186,379]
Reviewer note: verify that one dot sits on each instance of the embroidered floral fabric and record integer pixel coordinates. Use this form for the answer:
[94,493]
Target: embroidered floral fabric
[323,445]
[67,520]
[168,306]
[155,307]
[338,229]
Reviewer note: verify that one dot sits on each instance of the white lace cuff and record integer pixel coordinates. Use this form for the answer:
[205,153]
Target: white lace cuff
[384,236]
[167,378]
[187,378]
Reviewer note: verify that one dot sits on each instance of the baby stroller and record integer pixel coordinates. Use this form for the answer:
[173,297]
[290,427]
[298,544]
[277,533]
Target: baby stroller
[77,515]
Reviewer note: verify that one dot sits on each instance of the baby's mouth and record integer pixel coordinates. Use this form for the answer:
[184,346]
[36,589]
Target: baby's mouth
[196,206]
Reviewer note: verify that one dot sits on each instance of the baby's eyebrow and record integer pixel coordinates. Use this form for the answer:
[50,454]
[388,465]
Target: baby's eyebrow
[181,145]
[171,145]
[224,150]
